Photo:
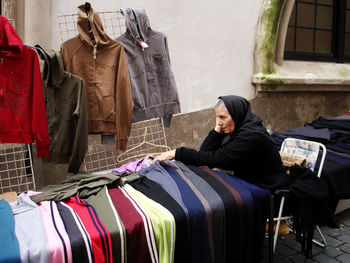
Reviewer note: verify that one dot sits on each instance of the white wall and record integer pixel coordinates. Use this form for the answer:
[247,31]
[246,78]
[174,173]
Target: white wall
[211,43]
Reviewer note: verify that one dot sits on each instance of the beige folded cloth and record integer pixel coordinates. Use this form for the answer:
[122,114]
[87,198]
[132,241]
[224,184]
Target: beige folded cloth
[9,196]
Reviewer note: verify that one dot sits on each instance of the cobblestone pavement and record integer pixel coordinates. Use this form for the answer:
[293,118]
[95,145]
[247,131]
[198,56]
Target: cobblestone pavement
[338,249]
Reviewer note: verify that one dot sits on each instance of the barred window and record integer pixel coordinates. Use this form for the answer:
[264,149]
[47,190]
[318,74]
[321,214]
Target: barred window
[319,30]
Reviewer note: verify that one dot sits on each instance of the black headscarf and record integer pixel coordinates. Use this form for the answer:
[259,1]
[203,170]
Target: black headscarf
[239,109]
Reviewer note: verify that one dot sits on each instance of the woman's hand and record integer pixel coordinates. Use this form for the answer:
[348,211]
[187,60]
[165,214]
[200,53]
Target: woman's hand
[164,156]
[218,127]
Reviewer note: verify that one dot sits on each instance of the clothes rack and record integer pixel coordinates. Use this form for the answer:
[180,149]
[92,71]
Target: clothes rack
[100,157]
[16,168]
[113,22]
[138,148]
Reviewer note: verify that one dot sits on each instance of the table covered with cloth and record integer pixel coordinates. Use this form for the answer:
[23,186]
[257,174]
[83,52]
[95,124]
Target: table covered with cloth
[167,212]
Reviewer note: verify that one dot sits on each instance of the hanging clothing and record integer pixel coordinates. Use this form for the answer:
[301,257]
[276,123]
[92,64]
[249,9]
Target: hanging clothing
[109,216]
[56,234]
[153,84]
[158,174]
[78,236]
[208,205]
[261,205]
[163,224]
[22,106]
[225,219]
[231,224]
[30,231]
[99,234]
[155,192]
[198,217]
[238,244]
[139,233]
[217,227]
[65,101]
[249,220]
[9,247]
[100,61]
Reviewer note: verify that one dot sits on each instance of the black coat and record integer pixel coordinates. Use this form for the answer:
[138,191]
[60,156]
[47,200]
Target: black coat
[249,151]
[252,155]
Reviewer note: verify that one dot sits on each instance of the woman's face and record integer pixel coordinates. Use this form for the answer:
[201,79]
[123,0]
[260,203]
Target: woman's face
[224,120]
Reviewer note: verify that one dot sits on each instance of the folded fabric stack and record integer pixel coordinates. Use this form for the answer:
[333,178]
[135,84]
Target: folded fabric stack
[167,212]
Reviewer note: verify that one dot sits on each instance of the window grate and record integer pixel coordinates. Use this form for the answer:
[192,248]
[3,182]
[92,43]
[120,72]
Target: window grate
[311,31]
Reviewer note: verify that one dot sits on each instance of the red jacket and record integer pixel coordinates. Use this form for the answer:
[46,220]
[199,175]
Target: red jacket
[22,105]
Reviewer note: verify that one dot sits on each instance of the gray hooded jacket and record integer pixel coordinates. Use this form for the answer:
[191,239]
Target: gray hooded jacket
[153,85]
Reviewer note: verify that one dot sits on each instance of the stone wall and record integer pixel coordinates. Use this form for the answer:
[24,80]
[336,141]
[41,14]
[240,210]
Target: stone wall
[279,110]
[286,110]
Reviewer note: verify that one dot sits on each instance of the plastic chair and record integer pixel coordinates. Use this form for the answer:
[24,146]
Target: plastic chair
[311,151]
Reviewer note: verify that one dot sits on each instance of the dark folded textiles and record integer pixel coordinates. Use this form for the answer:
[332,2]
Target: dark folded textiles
[198,217]
[309,205]
[340,123]
[334,133]
[214,217]
[80,242]
[154,191]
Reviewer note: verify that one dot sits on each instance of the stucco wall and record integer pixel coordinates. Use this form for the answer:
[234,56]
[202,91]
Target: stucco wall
[211,43]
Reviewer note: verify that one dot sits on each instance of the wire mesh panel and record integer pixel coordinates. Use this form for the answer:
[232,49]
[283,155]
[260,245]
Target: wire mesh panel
[150,133]
[113,23]
[147,138]
[16,168]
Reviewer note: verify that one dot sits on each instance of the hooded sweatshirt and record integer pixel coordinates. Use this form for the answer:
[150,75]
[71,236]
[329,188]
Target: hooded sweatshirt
[66,111]
[153,85]
[249,150]
[100,61]
[22,106]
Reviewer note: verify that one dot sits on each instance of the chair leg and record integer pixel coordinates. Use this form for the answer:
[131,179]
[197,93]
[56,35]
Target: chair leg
[322,244]
[271,249]
[322,237]
[278,223]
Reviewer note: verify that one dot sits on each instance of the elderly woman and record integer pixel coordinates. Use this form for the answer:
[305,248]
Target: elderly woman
[239,143]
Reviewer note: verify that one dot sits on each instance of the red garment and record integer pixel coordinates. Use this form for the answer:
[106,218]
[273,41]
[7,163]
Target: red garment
[136,235]
[99,234]
[22,105]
